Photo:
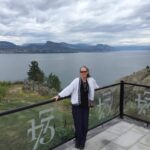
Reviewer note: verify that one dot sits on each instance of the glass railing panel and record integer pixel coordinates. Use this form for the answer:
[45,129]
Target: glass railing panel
[39,128]
[46,126]
[107,103]
[137,102]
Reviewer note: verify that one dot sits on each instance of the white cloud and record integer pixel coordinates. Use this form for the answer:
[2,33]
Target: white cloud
[75,21]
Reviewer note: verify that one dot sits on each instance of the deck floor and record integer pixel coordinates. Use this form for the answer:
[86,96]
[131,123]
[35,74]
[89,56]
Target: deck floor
[120,136]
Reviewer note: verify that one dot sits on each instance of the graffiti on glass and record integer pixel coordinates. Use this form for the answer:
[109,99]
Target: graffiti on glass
[143,102]
[105,102]
[38,132]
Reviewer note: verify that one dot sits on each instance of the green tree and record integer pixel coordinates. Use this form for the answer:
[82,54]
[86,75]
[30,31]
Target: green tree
[35,73]
[54,82]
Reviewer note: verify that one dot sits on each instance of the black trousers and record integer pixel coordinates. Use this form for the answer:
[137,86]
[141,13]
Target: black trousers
[81,118]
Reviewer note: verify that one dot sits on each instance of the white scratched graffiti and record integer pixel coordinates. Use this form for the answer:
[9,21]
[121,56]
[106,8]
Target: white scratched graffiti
[105,102]
[43,128]
[143,103]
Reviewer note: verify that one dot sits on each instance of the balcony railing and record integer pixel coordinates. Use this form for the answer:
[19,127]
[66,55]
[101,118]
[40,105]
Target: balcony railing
[45,125]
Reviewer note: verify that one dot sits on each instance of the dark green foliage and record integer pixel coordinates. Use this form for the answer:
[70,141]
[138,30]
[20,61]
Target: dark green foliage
[148,68]
[35,73]
[54,82]
[39,81]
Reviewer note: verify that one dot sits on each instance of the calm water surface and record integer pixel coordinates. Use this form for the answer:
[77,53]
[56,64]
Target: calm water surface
[104,67]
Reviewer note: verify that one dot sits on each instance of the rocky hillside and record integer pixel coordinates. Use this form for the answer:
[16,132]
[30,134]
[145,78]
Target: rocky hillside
[139,77]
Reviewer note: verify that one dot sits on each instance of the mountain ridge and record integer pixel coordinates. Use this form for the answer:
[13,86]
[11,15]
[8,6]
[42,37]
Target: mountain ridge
[62,47]
[51,47]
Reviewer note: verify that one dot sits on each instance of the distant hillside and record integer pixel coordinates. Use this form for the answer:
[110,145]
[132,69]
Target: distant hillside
[7,47]
[52,47]
[139,77]
[132,47]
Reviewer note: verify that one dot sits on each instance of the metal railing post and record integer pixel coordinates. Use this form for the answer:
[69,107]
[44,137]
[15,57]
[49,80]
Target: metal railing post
[121,99]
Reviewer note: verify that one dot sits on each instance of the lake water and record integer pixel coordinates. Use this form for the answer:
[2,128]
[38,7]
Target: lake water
[104,67]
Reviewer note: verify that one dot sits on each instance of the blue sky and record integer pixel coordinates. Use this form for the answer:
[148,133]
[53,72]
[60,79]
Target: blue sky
[114,22]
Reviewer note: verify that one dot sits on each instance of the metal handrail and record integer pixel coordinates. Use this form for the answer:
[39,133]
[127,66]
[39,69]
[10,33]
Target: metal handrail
[44,103]
[53,100]
[104,87]
[134,84]
[29,106]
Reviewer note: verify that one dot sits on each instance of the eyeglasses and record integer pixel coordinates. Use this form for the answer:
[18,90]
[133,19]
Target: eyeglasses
[83,71]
